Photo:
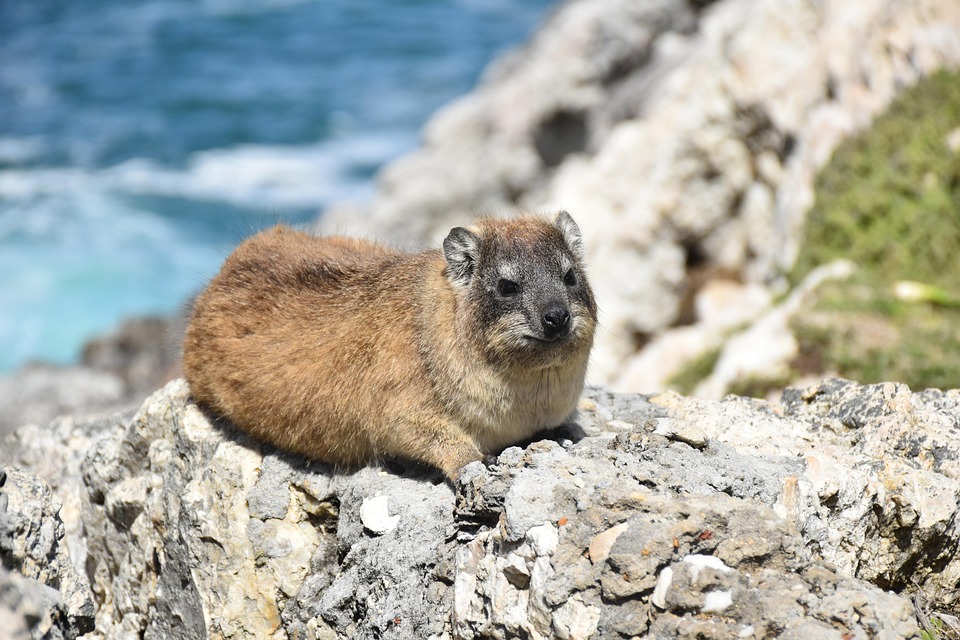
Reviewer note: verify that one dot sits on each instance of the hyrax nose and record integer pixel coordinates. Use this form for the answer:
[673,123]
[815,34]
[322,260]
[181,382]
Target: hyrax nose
[556,321]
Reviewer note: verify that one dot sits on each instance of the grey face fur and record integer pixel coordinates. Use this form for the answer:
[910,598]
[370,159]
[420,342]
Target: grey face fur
[571,233]
[528,289]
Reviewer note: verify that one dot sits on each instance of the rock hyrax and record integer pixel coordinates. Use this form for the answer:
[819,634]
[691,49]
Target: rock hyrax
[347,351]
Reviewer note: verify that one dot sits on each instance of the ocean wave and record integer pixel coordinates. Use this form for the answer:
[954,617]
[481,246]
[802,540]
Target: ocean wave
[93,245]
[247,7]
[78,259]
[265,176]
[253,176]
[140,140]
[20,150]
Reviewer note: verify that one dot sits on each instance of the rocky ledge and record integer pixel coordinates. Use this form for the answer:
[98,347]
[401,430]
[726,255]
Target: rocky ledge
[661,516]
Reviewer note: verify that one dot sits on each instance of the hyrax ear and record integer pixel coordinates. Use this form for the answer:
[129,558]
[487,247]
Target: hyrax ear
[570,232]
[461,248]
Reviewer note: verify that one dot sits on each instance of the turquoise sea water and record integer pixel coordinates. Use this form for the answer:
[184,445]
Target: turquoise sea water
[140,140]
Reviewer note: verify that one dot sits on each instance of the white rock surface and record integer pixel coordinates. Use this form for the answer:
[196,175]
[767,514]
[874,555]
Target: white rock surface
[375,516]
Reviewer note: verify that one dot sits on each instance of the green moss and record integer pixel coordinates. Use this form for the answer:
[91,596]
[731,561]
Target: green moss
[759,386]
[890,197]
[889,200]
[687,379]
[863,332]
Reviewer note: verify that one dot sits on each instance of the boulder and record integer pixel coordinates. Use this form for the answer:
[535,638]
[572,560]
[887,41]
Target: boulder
[37,393]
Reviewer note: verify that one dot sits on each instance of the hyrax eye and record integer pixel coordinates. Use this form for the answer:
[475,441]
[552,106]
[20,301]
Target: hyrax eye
[507,287]
[570,278]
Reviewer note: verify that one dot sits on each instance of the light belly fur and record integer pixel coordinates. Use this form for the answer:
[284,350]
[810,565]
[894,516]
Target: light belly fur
[510,410]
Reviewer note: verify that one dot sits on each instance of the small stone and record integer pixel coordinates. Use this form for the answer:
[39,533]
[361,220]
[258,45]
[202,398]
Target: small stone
[126,501]
[681,431]
[543,538]
[698,561]
[576,621]
[664,580]
[375,516]
[602,542]
[717,601]
[516,571]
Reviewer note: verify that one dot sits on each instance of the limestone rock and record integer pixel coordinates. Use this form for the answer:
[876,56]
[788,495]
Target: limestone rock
[38,393]
[200,529]
[767,345]
[731,145]
[117,371]
[875,457]
[788,519]
[772,583]
[55,452]
[41,593]
[556,97]
[30,609]
[721,307]
[905,452]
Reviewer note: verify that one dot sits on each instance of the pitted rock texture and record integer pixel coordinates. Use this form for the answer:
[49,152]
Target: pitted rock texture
[41,593]
[201,533]
[880,489]
[665,516]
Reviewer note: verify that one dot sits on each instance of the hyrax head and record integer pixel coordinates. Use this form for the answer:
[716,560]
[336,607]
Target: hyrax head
[522,286]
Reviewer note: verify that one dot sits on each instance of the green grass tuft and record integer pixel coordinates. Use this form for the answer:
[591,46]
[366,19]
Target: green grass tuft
[687,378]
[889,200]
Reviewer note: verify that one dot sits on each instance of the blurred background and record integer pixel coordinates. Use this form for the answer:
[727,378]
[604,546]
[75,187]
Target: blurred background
[140,140]
[768,190]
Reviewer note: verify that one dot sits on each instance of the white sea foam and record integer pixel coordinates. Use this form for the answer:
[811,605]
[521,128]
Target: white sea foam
[77,260]
[264,177]
[19,150]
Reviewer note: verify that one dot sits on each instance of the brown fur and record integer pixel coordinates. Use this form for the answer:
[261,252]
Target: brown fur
[347,351]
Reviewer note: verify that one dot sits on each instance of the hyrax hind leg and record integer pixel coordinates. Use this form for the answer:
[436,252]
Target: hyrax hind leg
[434,441]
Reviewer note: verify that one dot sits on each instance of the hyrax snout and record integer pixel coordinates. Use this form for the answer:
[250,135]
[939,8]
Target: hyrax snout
[347,351]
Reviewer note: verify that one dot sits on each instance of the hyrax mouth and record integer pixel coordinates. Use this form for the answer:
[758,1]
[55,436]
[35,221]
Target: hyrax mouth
[546,341]
[554,336]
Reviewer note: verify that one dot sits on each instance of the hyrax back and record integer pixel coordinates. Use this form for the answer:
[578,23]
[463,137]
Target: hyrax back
[347,351]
